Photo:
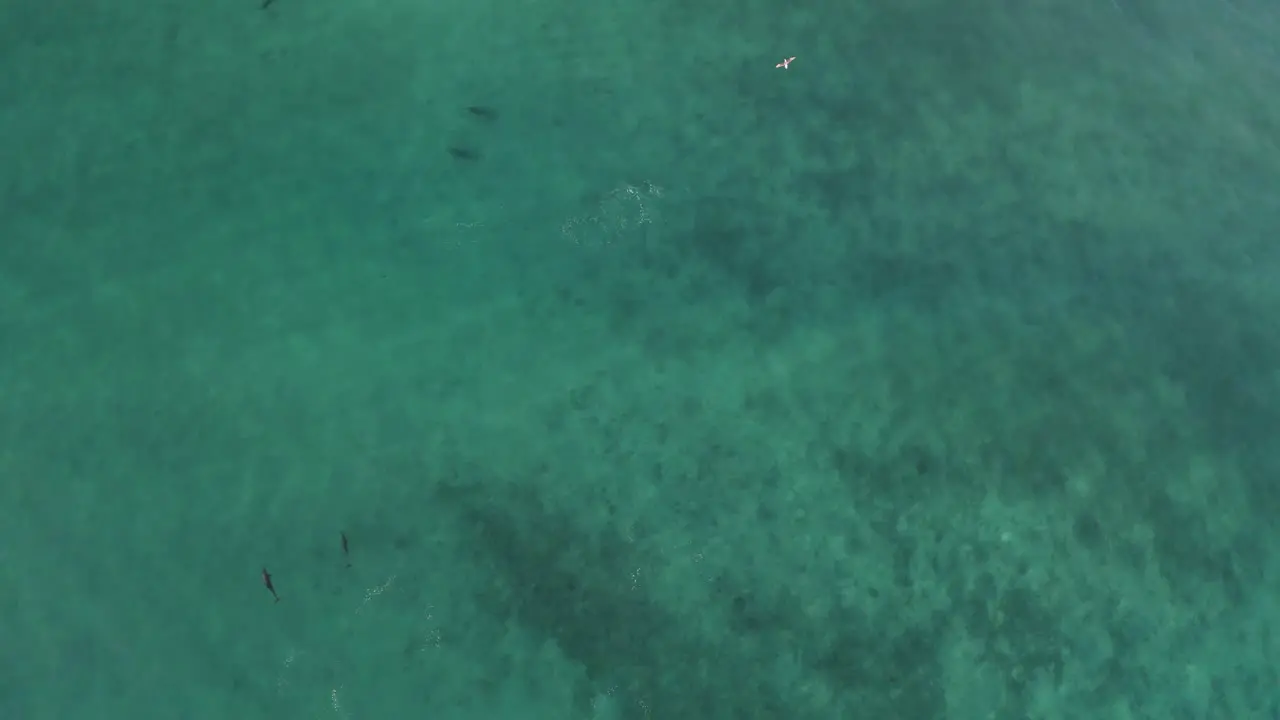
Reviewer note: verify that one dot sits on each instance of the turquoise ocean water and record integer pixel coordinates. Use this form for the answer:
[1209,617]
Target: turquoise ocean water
[936,376]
